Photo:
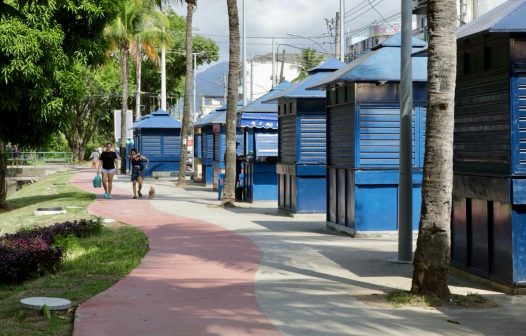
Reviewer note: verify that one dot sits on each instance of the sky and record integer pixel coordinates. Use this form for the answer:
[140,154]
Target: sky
[275,18]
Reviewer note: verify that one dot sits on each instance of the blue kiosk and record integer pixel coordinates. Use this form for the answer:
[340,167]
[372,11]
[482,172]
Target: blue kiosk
[259,123]
[363,132]
[488,229]
[158,136]
[302,137]
[204,138]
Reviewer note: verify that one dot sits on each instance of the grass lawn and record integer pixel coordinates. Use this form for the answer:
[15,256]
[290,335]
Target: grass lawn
[91,265]
[53,190]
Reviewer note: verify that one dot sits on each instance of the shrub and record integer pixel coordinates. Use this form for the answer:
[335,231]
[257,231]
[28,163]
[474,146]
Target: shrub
[40,250]
[22,257]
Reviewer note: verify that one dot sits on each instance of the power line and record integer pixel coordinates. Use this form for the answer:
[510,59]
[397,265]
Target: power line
[376,10]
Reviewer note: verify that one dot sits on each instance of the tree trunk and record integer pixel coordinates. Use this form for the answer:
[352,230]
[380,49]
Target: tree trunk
[185,131]
[432,254]
[125,49]
[138,74]
[3,171]
[229,191]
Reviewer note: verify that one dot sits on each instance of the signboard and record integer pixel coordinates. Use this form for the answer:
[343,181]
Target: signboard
[117,124]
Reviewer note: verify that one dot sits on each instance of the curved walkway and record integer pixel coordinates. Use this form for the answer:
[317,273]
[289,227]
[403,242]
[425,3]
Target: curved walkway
[197,278]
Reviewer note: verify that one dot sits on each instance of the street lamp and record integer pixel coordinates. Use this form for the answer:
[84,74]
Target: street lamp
[310,39]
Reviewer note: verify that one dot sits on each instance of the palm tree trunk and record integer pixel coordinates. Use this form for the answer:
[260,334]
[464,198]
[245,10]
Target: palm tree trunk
[185,131]
[138,74]
[433,245]
[229,195]
[124,80]
[3,171]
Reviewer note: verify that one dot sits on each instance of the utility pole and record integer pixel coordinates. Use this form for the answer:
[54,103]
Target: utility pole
[337,51]
[245,94]
[163,78]
[405,188]
[281,78]
[273,63]
[342,29]
[225,86]
[252,78]
[194,109]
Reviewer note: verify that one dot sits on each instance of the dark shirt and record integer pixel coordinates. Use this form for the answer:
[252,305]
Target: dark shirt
[137,164]
[107,159]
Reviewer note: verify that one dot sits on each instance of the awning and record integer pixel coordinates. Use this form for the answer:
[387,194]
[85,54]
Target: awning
[259,120]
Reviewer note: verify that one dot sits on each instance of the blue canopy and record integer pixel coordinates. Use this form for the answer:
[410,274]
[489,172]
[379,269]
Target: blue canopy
[157,119]
[382,63]
[508,17]
[259,120]
[299,90]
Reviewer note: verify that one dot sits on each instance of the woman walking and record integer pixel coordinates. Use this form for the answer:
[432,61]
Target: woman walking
[108,164]
[94,157]
[137,174]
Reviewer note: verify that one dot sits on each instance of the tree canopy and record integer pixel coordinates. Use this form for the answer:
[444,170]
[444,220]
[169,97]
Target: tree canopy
[38,43]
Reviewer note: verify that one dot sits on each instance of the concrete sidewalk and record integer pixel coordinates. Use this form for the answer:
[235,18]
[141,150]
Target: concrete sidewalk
[309,278]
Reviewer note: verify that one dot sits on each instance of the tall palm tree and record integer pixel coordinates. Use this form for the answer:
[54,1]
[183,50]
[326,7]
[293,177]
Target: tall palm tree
[185,131]
[229,194]
[120,34]
[149,33]
[432,254]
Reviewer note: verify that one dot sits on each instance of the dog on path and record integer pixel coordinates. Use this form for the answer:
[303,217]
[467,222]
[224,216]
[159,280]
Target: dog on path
[151,193]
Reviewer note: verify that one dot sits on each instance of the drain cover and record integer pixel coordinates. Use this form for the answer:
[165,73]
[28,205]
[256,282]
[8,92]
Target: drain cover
[52,303]
[49,211]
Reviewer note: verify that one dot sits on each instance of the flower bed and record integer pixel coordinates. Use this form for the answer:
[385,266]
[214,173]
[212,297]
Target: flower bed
[40,250]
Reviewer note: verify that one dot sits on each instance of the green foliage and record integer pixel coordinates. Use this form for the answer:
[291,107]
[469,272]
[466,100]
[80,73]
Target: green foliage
[176,61]
[38,42]
[309,60]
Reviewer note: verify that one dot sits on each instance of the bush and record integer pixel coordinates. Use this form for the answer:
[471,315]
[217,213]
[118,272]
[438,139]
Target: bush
[36,251]
[23,257]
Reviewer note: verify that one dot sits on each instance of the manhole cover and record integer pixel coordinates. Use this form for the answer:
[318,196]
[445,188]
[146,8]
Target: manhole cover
[49,211]
[52,303]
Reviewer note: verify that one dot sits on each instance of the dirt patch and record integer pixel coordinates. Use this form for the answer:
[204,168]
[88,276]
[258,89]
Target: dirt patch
[400,299]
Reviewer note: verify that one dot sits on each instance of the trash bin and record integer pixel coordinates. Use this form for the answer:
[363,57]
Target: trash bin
[220,185]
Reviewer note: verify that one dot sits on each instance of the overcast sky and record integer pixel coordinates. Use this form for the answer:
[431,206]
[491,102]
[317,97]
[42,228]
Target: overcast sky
[276,18]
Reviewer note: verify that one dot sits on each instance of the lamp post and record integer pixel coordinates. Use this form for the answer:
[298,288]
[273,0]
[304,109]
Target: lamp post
[405,190]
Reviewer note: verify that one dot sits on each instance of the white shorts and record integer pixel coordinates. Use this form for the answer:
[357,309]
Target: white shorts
[107,171]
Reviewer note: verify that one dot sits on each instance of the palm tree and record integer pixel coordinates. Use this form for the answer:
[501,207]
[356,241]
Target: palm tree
[229,195]
[309,60]
[120,34]
[149,32]
[185,131]
[433,245]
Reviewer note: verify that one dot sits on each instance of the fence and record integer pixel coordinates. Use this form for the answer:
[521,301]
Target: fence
[40,158]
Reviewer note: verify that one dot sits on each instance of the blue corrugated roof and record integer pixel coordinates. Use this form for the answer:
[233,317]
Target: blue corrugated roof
[508,17]
[381,64]
[217,116]
[329,65]
[157,119]
[258,106]
[299,90]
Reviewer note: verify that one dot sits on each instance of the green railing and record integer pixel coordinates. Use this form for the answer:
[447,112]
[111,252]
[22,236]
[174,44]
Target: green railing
[40,158]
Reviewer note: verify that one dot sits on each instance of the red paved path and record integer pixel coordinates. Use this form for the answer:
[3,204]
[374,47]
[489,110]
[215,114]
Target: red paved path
[197,279]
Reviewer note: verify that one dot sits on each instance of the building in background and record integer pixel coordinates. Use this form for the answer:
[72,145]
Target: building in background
[212,83]
[358,44]
[468,10]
